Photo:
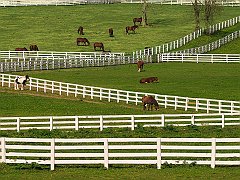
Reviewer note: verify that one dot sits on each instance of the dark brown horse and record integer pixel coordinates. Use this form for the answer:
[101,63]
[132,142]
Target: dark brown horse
[131,28]
[21,49]
[137,20]
[149,80]
[110,31]
[84,42]
[140,65]
[98,45]
[149,101]
[80,30]
[33,48]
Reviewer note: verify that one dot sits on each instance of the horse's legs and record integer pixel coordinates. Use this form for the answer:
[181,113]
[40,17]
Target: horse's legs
[15,86]
[144,106]
[139,69]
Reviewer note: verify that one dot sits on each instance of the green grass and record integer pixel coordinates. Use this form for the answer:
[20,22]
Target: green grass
[54,28]
[203,80]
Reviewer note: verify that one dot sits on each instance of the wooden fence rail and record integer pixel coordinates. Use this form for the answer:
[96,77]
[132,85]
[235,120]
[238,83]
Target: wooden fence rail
[121,151]
[117,121]
[177,102]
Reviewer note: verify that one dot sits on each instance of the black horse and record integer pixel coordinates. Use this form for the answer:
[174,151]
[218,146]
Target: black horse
[33,48]
[80,30]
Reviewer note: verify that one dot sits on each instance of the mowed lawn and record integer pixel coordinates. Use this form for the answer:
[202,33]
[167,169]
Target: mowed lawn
[54,28]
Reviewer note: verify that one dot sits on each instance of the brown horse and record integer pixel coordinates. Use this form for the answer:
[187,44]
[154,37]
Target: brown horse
[149,80]
[21,49]
[33,48]
[149,101]
[137,20]
[80,30]
[84,42]
[140,65]
[131,28]
[98,45]
[110,31]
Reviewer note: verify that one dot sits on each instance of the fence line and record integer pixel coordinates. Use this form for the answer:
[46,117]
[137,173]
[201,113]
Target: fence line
[79,2]
[121,151]
[45,62]
[213,45]
[198,58]
[117,121]
[177,102]
[184,40]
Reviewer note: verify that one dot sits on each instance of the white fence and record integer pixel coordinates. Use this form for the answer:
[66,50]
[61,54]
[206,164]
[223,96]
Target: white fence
[177,102]
[24,61]
[6,3]
[117,121]
[121,151]
[199,58]
[213,45]
[184,40]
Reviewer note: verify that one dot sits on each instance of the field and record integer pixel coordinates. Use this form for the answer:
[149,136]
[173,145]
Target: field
[55,28]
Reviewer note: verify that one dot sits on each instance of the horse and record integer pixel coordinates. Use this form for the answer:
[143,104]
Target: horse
[110,31]
[98,45]
[149,80]
[84,41]
[131,28]
[137,20]
[149,101]
[33,48]
[21,80]
[80,30]
[21,49]
[140,65]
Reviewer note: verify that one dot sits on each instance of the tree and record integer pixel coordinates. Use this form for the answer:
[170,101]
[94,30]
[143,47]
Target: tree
[144,11]
[210,9]
[197,10]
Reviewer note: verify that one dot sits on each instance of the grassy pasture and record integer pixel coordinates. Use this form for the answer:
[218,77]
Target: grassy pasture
[54,28]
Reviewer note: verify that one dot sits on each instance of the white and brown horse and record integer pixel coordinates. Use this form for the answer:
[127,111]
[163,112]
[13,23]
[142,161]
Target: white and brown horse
[140,65]
[149,101]
[21,80]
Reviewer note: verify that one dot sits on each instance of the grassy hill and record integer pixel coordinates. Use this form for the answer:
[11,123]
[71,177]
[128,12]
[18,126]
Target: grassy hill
[54,28]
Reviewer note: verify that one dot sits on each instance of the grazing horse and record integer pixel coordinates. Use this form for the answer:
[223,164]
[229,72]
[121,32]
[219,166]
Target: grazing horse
[131,28]
[98,45]
[80,30]
[84,41]
[149,80]
[21,49]
[110,31]
[33,48]
[140,65]
[21,80]
[137,20]
[149,101]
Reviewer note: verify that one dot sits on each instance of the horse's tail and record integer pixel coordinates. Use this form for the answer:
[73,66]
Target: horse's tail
[126,30]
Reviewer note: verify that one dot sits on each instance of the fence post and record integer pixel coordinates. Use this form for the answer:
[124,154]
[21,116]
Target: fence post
[213,153]
[3,150]
[76,123]
[159,158]
[106,153]
[132,122]
[193,119]
[101,123]
[163,120]
[51,123]
[223,120]
[52,158]
[18,124]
